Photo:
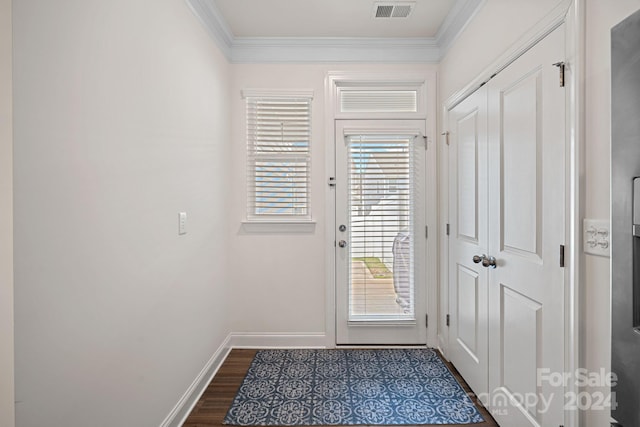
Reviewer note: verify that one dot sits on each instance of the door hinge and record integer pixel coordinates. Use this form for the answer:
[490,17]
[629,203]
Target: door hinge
[426,231]
[561,255]
[447,320]
[332,181]
[446,137]
[447,230]
[426,320]
[561,67]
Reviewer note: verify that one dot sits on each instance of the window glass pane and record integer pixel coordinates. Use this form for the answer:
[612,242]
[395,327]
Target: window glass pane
[381,182]
[281,187]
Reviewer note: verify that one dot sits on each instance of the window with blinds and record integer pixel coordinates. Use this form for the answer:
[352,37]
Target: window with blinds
[381,172]
[278,137]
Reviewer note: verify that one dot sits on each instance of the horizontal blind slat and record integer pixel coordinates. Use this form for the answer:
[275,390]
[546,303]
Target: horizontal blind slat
[381,188]
[278,138]
[378,101]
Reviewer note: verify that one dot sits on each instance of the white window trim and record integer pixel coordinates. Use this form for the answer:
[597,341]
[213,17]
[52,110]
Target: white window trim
[276,93]
[285,226]
[279,224]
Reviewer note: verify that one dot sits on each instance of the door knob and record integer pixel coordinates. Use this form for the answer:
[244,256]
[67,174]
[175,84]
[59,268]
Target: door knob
[342,243]
[489,262]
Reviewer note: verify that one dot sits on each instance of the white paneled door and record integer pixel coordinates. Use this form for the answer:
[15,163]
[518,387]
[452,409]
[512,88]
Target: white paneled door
[468,317]
[506,278]
[380,237]
[526,229]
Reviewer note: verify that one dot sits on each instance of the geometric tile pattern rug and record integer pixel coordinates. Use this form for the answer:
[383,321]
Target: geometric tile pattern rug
[350,387]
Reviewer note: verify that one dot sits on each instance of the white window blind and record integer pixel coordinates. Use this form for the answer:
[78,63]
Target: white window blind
[278,136]
[382,186]
[378,101]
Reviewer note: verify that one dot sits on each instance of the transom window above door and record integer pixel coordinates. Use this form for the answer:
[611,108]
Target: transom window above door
[378,96]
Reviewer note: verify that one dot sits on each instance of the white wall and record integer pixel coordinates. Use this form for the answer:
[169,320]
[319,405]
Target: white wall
[6,221]
[495,28]
[279,279]
[482,42]
[121,121]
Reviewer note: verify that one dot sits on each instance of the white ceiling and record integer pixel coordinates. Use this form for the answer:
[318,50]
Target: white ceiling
[330,18]
[324,31]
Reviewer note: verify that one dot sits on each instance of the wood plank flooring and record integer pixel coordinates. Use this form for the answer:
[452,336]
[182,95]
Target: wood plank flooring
[216,400]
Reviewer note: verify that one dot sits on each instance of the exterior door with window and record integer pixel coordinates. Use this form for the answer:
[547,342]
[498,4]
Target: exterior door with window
[380,237]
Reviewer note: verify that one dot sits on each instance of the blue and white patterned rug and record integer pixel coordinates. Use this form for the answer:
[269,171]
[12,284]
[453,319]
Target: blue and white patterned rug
[350,387]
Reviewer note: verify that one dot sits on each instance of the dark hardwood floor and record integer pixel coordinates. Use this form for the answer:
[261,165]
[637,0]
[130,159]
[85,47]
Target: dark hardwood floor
[216,400]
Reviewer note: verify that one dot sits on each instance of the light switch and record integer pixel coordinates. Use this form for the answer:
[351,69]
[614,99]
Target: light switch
[596,237]
[182,223]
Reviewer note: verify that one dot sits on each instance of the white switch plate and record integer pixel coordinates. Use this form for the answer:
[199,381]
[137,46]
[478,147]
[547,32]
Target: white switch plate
[596,237]
[182,223]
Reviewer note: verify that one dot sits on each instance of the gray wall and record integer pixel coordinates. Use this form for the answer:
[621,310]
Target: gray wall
[6,221]
[120,122]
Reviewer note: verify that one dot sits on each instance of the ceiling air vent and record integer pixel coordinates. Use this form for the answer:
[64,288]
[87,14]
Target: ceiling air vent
[392,10]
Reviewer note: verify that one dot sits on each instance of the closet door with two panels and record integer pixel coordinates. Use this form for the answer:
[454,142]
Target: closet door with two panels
[507,214]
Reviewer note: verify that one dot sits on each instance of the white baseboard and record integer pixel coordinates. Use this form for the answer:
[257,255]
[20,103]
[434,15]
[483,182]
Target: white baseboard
[185,405]
[278,340]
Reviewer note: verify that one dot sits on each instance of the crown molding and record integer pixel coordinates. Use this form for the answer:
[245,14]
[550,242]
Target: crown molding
[455,22]
[210,16]
[334,49]
[309,50]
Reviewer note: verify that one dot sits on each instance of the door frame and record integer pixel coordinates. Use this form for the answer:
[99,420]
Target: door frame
[404,331]
[426,83]
[572,14]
